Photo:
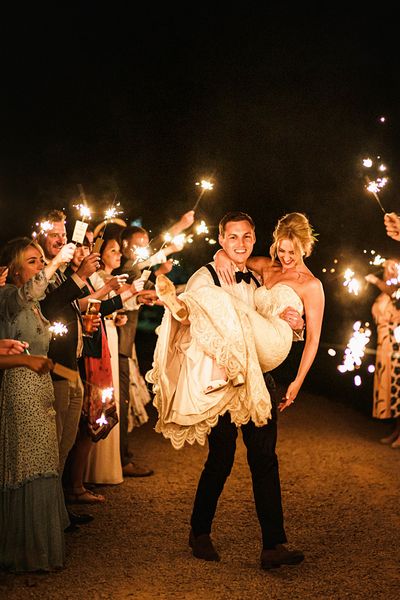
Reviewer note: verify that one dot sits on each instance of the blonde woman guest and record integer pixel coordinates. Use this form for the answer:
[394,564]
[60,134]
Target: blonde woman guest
[32,511]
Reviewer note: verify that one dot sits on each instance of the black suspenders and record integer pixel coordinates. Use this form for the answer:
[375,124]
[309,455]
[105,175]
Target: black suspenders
[217,281]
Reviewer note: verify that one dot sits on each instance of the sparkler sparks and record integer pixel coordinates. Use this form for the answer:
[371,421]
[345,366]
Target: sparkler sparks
[58,328]
[376,185]
[354,351]
[206,186]
[353,285]
[106,394]
[201,228]
[84,211]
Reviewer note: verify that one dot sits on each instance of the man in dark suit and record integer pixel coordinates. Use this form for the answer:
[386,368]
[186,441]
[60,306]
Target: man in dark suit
[237,237]
[60,304]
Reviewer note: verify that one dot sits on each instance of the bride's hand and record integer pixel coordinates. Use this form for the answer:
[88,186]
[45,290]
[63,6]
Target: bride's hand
[224,267]
[289,397]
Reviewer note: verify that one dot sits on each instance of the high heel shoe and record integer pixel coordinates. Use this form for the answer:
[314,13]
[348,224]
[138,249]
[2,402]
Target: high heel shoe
[390,439]
[238,380]
[167,294]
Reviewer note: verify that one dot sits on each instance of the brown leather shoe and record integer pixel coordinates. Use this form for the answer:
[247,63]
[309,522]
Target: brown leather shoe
[132,469]
[280,555]
[202,547]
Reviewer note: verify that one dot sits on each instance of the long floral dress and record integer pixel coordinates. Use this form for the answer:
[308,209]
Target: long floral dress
[32,510]
[386,401]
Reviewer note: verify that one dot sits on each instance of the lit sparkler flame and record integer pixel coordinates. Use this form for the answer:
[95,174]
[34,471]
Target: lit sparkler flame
[106,394]
[111,213]
[354,351]
[378,260]
[205,185]
[58,328]
[353,285]
[141,252]
[367,162]
[201,228]
[84,211]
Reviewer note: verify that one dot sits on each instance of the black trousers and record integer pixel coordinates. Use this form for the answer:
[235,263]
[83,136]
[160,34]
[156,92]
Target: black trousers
[263,462]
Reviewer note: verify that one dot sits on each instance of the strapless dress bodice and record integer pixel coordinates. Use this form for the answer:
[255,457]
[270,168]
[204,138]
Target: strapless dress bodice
[271,302]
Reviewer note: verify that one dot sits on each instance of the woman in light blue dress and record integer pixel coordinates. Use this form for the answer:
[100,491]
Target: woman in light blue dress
[32,511]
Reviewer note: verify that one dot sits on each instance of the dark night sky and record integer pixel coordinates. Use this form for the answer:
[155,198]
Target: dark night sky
[279,107]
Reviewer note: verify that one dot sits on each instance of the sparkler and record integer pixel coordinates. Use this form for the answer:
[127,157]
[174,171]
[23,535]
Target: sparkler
[109,215]
[44,227]
[375,186]
[106,394]
[205,187]
[58,328]
[355,349]
[353,285]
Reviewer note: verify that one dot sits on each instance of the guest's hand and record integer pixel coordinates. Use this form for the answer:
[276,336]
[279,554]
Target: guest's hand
[148,297]
[96,321]
[137,285]
[186,220]
[8,346]
[165,268]
[38,364]
[372,279]
[392,224]
[115,283]
[65,255]
[89,265]
[120,319]
[3,275]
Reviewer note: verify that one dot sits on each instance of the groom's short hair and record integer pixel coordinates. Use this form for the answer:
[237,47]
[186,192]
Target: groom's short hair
[234,216]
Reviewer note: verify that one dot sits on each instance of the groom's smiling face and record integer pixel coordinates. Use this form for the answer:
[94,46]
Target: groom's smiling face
[238,241]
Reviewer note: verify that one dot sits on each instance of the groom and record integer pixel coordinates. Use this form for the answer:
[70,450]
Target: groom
[237,238]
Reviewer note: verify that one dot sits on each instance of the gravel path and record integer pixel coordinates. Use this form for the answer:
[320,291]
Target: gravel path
[341,501]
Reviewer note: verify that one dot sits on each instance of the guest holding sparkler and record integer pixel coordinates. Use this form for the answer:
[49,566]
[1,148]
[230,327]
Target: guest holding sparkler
[32,510]
[99,413]
[60,304]
[134,395]
[386,395]
[104,461]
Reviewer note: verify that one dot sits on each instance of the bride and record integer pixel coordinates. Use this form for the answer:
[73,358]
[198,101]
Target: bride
[240,339]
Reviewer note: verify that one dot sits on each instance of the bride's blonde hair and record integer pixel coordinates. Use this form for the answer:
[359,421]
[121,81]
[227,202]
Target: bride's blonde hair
[296,228]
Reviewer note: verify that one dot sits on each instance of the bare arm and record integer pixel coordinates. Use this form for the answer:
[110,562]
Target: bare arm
[314,301]
[380,284]
[38,364]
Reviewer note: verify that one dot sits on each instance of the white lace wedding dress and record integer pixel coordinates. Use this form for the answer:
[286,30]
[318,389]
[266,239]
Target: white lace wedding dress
[241,339]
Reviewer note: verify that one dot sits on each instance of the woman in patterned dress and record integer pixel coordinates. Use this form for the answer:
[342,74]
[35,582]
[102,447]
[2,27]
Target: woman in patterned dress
[32,511]
[386,399]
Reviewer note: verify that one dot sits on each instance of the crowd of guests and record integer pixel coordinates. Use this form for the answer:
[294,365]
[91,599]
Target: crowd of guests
[68,401]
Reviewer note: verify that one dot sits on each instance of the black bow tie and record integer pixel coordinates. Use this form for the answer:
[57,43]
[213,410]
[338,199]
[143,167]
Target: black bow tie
[240,276]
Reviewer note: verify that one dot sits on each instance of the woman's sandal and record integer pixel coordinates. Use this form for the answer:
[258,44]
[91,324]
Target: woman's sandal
[167,294]
[85,497]
[216,385]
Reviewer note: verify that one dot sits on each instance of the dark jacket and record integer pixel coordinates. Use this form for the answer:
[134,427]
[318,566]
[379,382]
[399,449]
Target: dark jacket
[60,305]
